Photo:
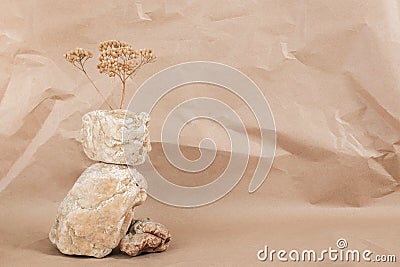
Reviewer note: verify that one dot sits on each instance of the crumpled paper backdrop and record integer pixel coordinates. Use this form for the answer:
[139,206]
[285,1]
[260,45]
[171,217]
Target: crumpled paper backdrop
[329,69]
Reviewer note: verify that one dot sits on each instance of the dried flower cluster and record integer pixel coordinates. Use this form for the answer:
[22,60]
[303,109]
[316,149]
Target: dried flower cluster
[119,58]
[116,59]
[78,56]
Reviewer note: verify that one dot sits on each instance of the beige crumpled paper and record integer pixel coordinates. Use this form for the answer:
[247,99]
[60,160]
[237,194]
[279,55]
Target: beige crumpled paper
[329,70]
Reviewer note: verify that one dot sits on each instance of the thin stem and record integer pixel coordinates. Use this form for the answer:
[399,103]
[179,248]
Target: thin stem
[76,66]
[136,68]
[123,92]
[125,77]
[91,81]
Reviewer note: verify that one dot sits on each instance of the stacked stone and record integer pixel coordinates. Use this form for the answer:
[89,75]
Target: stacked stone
[98,211]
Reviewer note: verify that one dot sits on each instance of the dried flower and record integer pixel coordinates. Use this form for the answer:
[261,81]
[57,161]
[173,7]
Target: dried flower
[78,58]
[120,59]
[116,59]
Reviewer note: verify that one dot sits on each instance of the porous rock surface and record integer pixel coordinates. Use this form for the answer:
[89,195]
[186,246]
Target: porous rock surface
[145,236]
[98,210]
[116,136]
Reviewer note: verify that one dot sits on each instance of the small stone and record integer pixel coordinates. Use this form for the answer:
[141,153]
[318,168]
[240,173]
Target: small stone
[98,210]
[145,236]
[116,136]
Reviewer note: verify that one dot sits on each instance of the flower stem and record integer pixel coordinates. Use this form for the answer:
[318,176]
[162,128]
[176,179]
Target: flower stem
[123,93]
[97,89]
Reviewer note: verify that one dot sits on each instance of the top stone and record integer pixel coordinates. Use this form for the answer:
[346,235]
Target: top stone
[116,136]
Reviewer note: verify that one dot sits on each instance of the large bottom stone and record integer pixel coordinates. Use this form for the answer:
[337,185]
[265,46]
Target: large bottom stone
[98,210]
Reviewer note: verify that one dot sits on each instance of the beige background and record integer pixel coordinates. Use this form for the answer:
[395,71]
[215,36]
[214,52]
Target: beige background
[329,69]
